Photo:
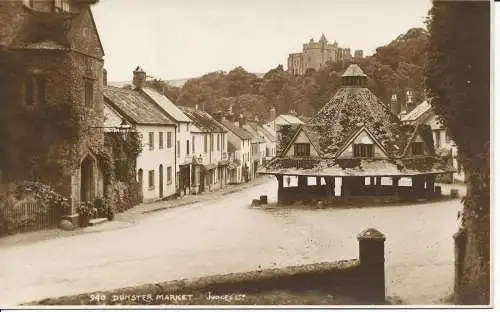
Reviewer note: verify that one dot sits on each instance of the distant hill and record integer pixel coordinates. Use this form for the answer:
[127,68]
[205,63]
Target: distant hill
[173,82]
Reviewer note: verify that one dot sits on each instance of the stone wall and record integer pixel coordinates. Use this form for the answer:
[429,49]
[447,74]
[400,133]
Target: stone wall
[361,279]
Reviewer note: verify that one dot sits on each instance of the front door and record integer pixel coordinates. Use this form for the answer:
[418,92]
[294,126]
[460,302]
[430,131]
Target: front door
[87,180]
[161,180]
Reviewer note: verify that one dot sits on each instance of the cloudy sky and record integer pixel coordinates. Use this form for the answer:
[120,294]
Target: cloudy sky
[174,39]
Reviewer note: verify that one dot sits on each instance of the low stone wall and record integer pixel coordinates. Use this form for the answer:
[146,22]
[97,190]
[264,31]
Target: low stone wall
[362,280]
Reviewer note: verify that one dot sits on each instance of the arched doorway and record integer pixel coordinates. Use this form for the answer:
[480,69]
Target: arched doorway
[161,181]
[87,180]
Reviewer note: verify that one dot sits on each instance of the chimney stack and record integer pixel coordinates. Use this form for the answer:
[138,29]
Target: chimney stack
[139,80]
[104,77]
[242,120]
[395,108]
[272,113]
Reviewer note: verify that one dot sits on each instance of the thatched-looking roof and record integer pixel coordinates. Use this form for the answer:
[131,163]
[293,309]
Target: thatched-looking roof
[352,110]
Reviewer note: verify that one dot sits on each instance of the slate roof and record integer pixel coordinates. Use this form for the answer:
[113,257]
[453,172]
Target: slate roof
[357,167]
[252,129]
[289,119]
[135,106]
[417,112]
[238,131]
[170,108]
[202,120]
[271,137]
[46,29]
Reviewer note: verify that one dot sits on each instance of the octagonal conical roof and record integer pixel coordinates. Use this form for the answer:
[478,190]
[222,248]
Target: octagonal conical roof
[354,71]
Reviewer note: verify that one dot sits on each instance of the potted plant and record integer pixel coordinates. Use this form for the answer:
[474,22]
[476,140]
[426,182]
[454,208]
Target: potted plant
[84,213]
[101,207]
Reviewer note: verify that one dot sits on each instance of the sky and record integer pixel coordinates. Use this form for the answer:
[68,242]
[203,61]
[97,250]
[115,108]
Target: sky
[175,39]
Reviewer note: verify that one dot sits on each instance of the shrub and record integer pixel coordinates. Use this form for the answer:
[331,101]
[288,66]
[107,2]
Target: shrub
[50,207]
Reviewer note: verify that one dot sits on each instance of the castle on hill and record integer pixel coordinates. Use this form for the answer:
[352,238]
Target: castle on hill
[315,55]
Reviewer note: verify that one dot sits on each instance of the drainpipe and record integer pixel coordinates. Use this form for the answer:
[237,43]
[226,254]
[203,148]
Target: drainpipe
[175,159]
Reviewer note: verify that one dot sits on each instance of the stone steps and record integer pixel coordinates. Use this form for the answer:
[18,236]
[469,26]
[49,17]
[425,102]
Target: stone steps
[97,221]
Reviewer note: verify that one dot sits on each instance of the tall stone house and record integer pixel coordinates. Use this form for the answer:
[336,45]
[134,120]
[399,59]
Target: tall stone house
[257,146]
[209,149]
[182,137]
[315,55]
[239,149]
[155,165]
[52,63]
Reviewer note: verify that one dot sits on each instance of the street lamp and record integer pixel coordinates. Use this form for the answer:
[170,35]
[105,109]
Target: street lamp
[123,128]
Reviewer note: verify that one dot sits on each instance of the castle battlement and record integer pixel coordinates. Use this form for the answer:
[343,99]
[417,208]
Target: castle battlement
[315,55]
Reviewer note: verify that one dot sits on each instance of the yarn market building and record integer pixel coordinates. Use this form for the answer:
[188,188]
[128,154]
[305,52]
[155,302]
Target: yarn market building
[354,147]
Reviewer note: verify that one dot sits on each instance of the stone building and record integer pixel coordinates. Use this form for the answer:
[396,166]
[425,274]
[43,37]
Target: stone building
[209,149]
[51,74]
[423,113]
[155,165]
[315,55]
[239,149]
[182,137]
[355,147]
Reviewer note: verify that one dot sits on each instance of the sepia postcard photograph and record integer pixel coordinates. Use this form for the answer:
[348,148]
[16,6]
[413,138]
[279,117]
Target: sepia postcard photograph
[245,153]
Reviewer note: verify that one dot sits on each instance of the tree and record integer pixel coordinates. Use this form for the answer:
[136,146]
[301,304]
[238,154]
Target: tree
[458,79]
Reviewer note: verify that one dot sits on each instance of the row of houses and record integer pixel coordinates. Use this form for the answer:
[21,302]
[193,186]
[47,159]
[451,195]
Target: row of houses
[185,150]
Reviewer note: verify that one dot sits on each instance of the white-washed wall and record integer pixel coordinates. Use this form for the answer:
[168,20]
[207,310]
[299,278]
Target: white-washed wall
[152,157]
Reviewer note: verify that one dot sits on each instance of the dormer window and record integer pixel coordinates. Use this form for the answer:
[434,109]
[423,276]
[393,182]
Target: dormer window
[302,149]
[363,150]
[62,6]
[417,148]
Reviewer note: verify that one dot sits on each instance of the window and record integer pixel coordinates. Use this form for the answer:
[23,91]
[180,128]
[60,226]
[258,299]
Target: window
[151,141]
[302,149]
[187,147]
[160,140]
[205,143]
[89,92]
[151,179]
[447,137]
[169,139]
[223,142]
[35,91]
[417,148]
[178,148]
[193,145]
[61,5]
[363,150]
[218,142]
[438,138]
[169,175]
[178,127]
[211,142]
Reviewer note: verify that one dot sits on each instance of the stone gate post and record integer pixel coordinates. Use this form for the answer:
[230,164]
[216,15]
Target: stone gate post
[372,264]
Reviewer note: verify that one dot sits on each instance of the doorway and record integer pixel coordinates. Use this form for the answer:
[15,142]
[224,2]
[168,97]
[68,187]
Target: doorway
[160,183]
[87,187]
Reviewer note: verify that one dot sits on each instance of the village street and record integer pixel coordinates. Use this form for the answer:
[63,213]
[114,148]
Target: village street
[225,235]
